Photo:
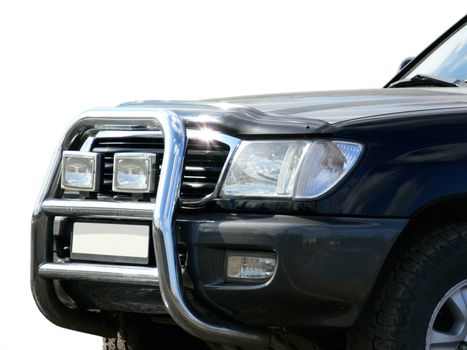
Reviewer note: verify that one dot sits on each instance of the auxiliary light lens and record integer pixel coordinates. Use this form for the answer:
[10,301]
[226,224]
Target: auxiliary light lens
[79,170]
[134,172]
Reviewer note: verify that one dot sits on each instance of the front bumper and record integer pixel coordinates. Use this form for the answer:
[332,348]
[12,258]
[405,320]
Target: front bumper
[326,270]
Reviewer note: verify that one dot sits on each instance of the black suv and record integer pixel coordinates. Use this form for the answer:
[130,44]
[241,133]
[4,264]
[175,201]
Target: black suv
[304,220]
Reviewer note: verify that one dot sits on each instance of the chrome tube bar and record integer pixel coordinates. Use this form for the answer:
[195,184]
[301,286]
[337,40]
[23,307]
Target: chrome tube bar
[165,241]
[94,208]
[164,235]
[133,275]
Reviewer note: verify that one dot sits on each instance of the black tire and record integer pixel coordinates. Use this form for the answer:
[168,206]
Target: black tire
[413,281]
[149,336]
[113,344]
[126,339]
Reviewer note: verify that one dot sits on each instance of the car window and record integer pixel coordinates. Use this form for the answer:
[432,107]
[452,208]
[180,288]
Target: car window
[449,60]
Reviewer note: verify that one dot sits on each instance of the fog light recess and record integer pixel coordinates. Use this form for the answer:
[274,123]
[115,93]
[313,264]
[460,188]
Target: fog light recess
[250,266]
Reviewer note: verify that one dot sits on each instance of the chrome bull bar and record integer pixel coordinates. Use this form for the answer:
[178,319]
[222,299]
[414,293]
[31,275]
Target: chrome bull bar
[168,270]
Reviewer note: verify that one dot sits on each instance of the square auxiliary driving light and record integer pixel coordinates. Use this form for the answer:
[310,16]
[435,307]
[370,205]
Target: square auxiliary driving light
[79,171]
[250,266]
[134,172]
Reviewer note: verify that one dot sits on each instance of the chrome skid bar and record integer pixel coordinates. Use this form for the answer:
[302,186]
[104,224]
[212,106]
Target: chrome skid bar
[99,209]
[144,276]
[162,212]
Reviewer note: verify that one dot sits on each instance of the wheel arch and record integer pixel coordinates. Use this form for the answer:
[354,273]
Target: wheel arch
[437,212]
[440,212]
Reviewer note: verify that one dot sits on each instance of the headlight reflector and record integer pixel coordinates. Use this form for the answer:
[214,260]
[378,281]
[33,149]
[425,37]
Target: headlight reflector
[79,171]
[298,169]
[264,168]
[134,172]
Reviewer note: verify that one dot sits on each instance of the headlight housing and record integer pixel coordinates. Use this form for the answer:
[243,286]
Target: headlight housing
[289,169]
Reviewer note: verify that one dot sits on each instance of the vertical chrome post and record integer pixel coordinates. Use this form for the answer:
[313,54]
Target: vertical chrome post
[170,279]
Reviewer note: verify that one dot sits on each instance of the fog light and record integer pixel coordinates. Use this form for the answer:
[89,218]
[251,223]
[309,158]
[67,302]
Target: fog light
[134,172]
[250,266]
[79,171]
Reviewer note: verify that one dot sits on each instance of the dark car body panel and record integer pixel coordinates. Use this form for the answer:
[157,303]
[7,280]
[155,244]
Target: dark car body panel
[326,266]
[279,114]
[337,106]
[412,159]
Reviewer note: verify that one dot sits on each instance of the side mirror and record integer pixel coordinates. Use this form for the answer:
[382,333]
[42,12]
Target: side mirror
[405,62]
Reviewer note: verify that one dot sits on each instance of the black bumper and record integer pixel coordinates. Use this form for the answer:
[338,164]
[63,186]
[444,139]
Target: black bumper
[327,267]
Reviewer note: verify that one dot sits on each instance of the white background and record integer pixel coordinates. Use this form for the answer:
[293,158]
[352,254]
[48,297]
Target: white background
[60,57]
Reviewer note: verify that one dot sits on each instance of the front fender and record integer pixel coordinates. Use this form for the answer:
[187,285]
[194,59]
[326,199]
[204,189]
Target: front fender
[410,161]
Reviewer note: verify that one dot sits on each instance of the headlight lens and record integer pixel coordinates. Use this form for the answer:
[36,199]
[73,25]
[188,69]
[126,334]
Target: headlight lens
[134,172]
[79,171]
[264,168]
[298,169]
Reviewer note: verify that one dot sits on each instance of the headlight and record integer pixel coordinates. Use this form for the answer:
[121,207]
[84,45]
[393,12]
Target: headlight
[79,171]
[134,172]
[264,168]
[298,169]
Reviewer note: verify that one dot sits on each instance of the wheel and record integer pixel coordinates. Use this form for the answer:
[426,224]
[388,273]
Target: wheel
[447,327]
[420,300]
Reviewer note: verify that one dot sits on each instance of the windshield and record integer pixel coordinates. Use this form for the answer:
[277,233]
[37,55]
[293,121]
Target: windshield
[449,60]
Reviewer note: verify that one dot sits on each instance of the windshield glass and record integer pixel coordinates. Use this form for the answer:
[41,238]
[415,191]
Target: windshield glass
[449,60]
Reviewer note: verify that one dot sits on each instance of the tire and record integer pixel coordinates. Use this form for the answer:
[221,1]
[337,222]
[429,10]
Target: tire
[137,335]
[126,339]
[413,283]
[113,344]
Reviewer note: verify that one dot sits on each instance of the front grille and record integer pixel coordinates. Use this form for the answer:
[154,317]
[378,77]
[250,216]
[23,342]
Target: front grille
[204,162]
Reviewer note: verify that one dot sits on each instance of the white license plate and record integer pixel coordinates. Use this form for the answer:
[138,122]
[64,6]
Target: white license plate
[110,242]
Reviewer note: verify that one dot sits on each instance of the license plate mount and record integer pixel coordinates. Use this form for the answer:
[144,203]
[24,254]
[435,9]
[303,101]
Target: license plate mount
[112,243]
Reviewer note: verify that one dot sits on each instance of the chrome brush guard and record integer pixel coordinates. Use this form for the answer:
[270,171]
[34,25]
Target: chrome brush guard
[168,272]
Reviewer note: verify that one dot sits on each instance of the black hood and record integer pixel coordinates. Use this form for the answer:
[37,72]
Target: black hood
[336,106]
[307,112]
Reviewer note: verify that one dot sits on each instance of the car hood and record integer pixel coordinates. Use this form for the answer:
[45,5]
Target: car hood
[306,112]
[337,106]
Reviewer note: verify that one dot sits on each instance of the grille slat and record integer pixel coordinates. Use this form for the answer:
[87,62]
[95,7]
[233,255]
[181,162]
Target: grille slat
[204,162]
[202,169]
